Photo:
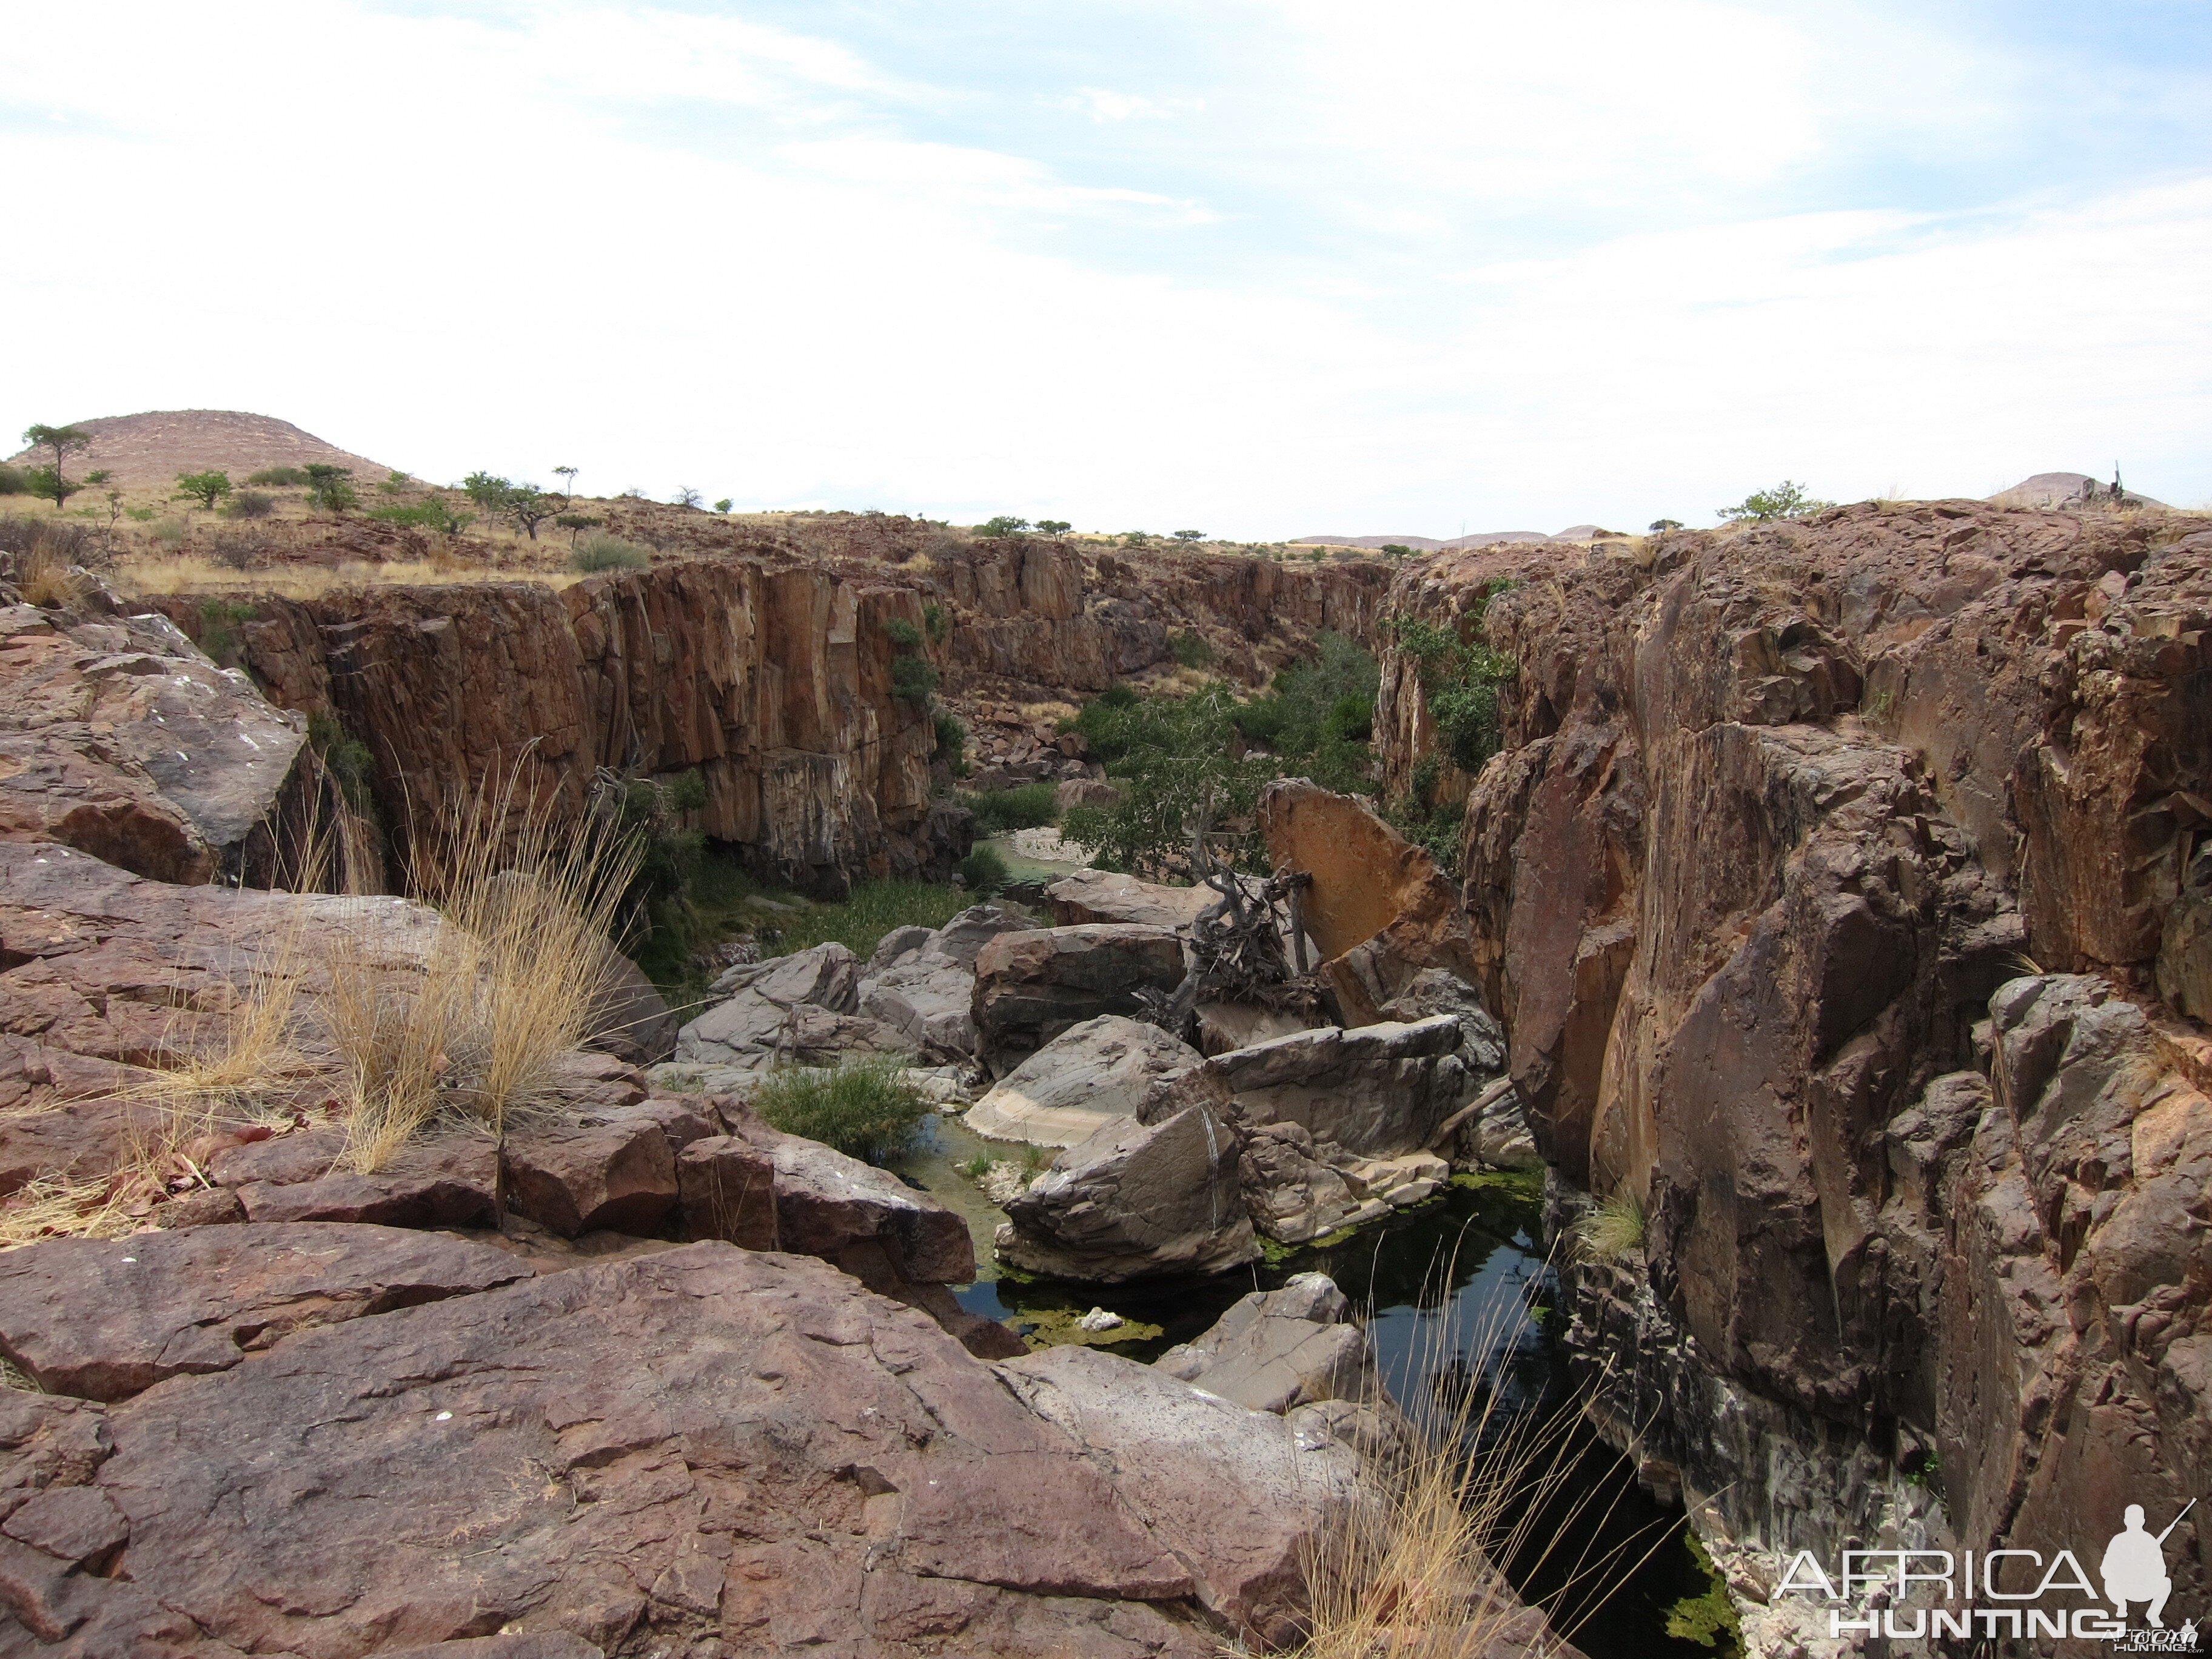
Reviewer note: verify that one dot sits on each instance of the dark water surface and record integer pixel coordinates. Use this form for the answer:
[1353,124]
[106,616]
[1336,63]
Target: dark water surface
[1458,1295]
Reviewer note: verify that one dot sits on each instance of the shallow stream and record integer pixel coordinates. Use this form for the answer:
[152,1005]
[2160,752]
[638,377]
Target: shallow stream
[1454,1289]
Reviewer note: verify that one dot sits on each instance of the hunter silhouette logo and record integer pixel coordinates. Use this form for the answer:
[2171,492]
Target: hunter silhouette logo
[2134,1568]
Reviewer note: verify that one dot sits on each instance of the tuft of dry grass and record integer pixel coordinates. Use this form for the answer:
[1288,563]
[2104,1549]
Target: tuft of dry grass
[510,981]
[44,574]
[56,1206]
[1409,1570]
[1612,1230]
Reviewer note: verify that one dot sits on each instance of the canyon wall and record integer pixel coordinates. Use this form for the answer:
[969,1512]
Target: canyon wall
[771,676]
[1843,887]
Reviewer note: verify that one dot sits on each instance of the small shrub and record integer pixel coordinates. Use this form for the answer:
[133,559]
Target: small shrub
[1190,650]
[724,505]
[935,622]
[1787,500]
[913,680]
[245,504]
[1612,1230]
[146,514]
[278,478]
[688,794]
[12,481]
[602,552]
[984,873]
[217,635]
[865,1109]
[901,633]
[330,488]
[239,550]
[1397,550]
[170,531]
[1029,806]
[206,488]
[951,736]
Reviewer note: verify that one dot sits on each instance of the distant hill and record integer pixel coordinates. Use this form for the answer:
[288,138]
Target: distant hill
[148,451]
[2047,489]
[1581,532]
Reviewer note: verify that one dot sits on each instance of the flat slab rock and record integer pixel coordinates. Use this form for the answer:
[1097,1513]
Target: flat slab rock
[103,1319]
[704,1444]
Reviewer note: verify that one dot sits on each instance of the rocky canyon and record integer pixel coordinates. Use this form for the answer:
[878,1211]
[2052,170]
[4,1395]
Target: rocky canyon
[1829,907]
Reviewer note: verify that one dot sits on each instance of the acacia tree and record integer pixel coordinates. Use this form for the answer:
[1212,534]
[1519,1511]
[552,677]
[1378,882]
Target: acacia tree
[531,506]
[206,488]
[63,440]
[330,488]
[567,475]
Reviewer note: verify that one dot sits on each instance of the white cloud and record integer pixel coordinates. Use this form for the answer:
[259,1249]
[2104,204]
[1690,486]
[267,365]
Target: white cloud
[447,244]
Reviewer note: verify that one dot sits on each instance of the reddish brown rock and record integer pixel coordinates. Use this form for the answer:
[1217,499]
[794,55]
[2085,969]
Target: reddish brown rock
[1778,808]
[727,1187]
[762,1451]
[103,972]
[103,1319]
[118,738]
[1031,986]
[614,1171]
[1378,909]
[449,1180]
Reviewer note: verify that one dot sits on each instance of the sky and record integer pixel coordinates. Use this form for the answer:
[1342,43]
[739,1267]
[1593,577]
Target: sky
[1262,268]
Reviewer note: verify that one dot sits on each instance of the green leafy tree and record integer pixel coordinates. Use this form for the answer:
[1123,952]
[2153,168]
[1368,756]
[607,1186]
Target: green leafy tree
[1396,550]
[1005,525]
[488,490]
[1054,526]
[1181,771]
[205,487]
[63,441]
[576,524]
[330,488]
[1658,525]
[1190,535]
[724,505]
[1787,500]
[530,507]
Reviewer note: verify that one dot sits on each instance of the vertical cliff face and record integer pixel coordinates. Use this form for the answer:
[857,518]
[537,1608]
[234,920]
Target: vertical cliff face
[771,676]
[774,684]
[1823,861]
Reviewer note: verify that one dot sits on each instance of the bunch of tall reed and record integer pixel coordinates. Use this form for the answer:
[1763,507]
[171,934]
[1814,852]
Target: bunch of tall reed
[1480,1476]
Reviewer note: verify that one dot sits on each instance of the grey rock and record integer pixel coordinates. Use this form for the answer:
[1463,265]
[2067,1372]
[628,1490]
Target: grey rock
[1070,1089]
[1277,1350]
[1135,1200]
[1375,1090]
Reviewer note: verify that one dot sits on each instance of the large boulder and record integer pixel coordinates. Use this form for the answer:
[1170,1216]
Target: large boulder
[1104,895]
[1276,1349]
[801,1009]
[1136,1200]
[1080,1081]
[921,983]
[103,972]
[120,737]
[103,1319]
[1030,986]
[704,1449]
[1375,1090]
[1181,1456]
[1378,908]
[613,1172]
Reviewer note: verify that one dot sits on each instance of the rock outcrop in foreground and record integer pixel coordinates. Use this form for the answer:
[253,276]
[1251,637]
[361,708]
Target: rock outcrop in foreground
[1840,885]
[705,1451]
